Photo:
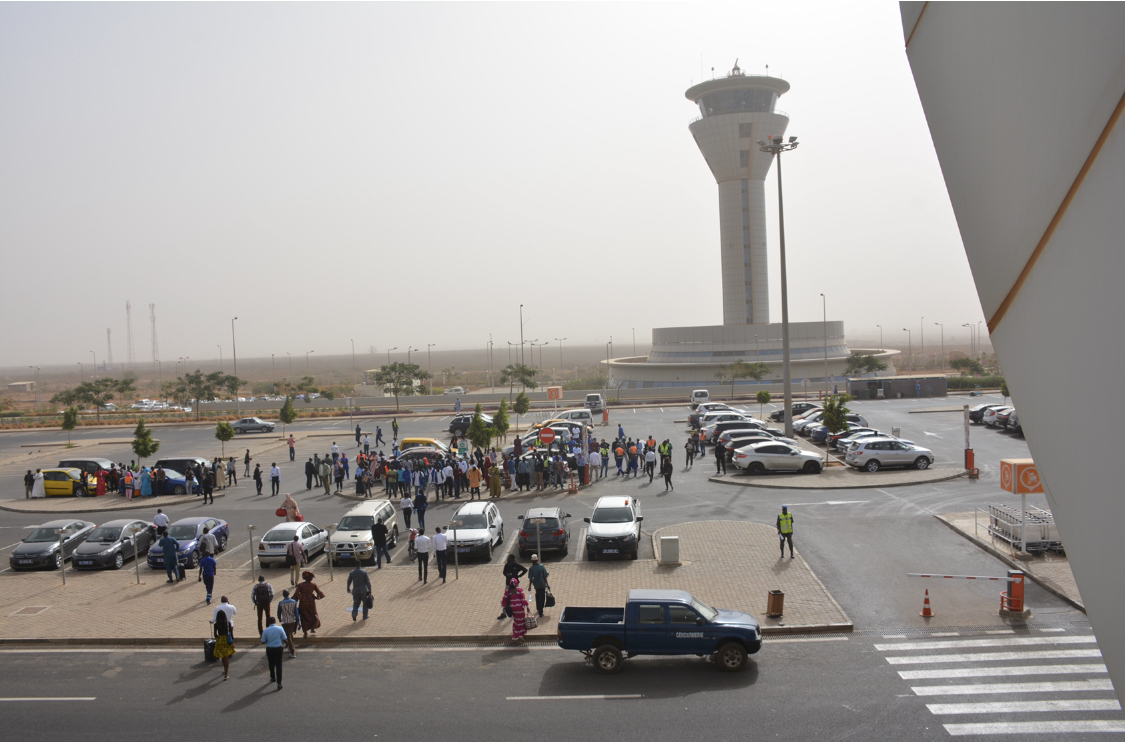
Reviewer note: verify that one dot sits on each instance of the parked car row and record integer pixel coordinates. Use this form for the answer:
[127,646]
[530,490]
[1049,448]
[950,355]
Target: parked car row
[1000,416]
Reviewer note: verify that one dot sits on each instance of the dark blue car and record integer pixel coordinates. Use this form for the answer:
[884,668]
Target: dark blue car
[187,532]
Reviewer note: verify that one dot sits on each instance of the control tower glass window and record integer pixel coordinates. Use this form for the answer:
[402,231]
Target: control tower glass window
[737,101]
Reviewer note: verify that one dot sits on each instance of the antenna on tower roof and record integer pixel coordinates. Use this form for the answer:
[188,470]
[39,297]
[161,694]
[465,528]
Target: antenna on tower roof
[767,70]
[735,70]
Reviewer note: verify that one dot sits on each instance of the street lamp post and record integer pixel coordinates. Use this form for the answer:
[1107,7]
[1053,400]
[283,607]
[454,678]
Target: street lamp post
[353,363]
[922,341]
[95,355]
[560,355]
[972,352]
[521,335]
[307,352]
[880,336]
[510,345]
[824,309]
[939,324]
[81,372]
[220,357]
[389,354]
[776,146]
[409,350]
[634,341]
[910,347]
[273,371]
[491,381]
[290,365]
[430,366]
[234,350]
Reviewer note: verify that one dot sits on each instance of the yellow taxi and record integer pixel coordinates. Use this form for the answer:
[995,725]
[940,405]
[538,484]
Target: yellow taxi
[64,483]
[408,443]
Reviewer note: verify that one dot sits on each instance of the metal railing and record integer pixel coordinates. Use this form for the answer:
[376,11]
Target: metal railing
[724,113]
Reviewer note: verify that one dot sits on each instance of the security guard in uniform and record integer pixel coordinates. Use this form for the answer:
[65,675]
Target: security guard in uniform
[665,451]
[785,530]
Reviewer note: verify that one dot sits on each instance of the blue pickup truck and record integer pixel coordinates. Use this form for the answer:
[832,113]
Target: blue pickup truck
[659,622]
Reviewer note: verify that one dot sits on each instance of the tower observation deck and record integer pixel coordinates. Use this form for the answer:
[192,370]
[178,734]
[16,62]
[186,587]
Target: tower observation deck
[736,111]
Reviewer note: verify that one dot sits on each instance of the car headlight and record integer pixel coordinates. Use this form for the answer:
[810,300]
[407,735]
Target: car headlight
[631,537]
[105,552]
[367,544]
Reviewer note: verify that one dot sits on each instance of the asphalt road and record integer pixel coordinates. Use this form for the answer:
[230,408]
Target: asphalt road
[863,686]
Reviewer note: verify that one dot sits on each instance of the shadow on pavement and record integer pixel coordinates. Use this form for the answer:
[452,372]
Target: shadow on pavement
[673,677]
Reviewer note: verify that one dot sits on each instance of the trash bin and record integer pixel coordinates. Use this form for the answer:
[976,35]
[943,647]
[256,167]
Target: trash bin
[775,604]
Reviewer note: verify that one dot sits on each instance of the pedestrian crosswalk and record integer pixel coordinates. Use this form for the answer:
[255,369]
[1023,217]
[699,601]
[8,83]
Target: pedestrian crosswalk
[1037,683]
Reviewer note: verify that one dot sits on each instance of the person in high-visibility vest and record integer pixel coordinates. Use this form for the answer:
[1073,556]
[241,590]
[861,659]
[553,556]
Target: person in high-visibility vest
[785,530]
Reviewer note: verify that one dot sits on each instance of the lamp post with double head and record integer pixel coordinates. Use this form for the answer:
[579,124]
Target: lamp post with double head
[775,145]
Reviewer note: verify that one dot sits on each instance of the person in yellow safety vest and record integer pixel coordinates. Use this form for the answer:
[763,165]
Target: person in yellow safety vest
[785,530]
[665,451]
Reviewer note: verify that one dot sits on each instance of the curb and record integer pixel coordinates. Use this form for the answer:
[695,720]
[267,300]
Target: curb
[310,643]
[1046,584]
[876,485]
[505,496]
[146,503]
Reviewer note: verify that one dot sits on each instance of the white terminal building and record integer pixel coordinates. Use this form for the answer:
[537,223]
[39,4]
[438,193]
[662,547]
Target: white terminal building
[735,112]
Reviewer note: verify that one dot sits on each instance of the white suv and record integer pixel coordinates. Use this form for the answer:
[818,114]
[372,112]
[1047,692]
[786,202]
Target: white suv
[615,528]
[476,528]
[872,454]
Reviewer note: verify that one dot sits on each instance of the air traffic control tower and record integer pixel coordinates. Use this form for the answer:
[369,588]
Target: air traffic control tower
[735,112]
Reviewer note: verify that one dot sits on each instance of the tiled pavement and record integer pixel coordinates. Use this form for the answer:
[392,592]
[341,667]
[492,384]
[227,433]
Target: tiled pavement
[841,478]
[1050,570]
[728,564]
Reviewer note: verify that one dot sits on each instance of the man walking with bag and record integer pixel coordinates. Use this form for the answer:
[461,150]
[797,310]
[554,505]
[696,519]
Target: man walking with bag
[359,585]
[538,575]
[422,547]
[440,544]
[293,553]
[262,596]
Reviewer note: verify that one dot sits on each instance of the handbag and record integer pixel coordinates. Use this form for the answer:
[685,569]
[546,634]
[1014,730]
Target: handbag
[531,622]
[280,512]
[550,601]
[369,602]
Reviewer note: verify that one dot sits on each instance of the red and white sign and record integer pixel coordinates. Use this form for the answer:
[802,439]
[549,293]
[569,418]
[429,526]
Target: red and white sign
[547,435]
[554,392]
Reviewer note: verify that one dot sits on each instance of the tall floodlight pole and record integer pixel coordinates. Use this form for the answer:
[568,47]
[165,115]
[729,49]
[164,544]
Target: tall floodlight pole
[634,341]
[234,349]
[220,357]
[560,355]
[81,372]
[95,355]
[910,347]
[430,366]
[307,361]
[389,354]
[942,345]
[491,382]
[824,309]
[922,341]
[775,146]
[290,365]
[521,335]
[353,361]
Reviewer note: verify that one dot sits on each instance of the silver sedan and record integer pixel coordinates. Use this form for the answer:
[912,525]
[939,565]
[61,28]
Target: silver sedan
[272,548]
[758,458]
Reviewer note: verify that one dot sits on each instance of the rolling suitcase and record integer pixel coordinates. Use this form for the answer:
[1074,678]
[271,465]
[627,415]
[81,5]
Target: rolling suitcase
[183,574]
[209,650]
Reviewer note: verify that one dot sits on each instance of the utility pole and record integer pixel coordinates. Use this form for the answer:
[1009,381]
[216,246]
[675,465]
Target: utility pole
[910,347]
[307,361]
[389,354]
[290,365]
[939,324]
[220,357]
[95,355]
[521,334]
[560,355]
[922,341]
[824,309]
[353,364]
[430,366]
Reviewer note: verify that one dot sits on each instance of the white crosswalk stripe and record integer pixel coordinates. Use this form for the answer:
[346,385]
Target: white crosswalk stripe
[1039,706]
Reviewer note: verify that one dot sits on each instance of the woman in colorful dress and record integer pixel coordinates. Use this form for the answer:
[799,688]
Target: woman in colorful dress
[128,485]
[99,489]
[306,594]
[515,601]
[224,641]
[291,511]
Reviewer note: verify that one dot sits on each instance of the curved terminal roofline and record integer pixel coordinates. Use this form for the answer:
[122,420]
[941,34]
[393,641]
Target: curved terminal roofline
[737,82]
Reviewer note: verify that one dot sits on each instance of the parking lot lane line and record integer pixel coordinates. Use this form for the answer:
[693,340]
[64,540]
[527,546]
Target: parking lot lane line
[576,698]
[12,546]
[230,551]
[45,698]
[807,641]
[511,543]
[581,547]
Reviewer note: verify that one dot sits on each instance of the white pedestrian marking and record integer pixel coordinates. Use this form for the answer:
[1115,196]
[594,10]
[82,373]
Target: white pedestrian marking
[573,698]
[45,698]
[996,672]
[967,643]
[1054,629]
[1047,654]
[806,641]
[1015,707]
[935,435]
[662,409]
[994,688]
[1034,727]
[946,633]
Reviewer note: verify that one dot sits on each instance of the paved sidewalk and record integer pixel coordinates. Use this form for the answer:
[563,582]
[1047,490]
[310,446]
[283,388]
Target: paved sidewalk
[728,564]
[1050,570]
[834,478]
[103,504]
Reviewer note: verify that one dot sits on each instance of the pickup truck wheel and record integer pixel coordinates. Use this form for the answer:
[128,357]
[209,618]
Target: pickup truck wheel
[608,659]
[731,657]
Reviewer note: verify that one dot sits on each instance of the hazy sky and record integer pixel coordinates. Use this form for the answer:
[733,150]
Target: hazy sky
[411,173]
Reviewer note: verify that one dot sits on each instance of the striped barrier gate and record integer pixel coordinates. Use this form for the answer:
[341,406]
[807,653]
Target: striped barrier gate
[1012,600]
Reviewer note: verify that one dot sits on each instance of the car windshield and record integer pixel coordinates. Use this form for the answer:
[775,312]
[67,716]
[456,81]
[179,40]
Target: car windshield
[471,521]
[546,524]
[182,532]
[104,534]
[354,523]
[613,515]
[703,609]
[172,474]
[280,534]
[41,535]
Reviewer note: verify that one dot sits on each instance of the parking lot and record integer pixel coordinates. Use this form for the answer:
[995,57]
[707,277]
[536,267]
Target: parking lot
[828,526]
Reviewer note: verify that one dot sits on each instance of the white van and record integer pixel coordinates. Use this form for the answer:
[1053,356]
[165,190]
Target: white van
[698,397]
[595,403]
[454,390]
[352,542]
[579,415]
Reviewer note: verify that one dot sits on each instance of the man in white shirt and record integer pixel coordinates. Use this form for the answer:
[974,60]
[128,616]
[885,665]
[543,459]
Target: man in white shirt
[447,475]
[422,545]
[442,555]
[275,479]
[596,464]
[335,451]
[366,445]
[226,608]
[650,463]
[160,520]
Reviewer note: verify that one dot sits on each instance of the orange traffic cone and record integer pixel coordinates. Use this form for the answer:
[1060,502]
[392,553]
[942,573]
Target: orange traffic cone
[926,612]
